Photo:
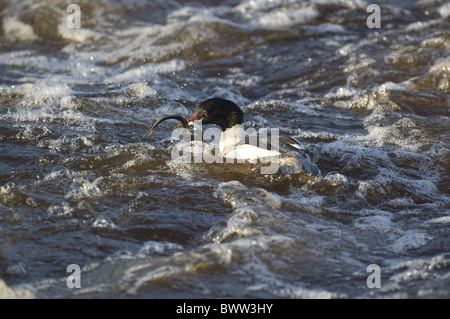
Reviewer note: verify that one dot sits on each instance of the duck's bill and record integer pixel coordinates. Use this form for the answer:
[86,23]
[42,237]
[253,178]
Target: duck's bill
[182,120]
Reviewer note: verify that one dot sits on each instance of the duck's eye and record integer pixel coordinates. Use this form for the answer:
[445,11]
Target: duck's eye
[205,113]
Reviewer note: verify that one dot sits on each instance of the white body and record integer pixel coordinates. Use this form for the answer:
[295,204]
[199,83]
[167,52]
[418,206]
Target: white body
[232,145]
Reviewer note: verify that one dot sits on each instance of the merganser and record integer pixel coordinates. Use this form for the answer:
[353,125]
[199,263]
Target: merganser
[234,142]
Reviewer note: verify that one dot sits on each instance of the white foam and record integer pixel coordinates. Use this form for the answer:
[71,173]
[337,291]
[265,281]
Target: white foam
[59,172]
[336,179]
[103,223]
[330,28]
[390,86]
[17,269]
[411,239]
[82,189]
[46,101]
[148,47]
[238,195]
[7,292]
[141,90]
[77,34]
[239,224]
[139,274]
[68,142]
[342,92]
[420,25]
[444,10]
[16,30]
[149,70]
[393,134]
[156,247]
[380,222]
[441,71]
[429,269]
[362,4]
[284,18]
[32,132]
[346,49]
[62,209]
[251,253]
[401,202]
[253,208]
[311,203]
[440,220]
[274,14]
[47,91]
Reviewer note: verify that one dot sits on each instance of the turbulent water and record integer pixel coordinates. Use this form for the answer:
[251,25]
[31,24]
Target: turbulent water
[79,184]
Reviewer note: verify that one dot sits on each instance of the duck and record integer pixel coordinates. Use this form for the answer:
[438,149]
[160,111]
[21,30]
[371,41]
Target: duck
[236,144]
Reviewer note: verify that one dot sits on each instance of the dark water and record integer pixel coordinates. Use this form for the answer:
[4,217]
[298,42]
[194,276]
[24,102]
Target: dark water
[80,185]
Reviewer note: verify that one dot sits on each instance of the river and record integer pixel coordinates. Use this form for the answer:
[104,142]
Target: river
[80,185]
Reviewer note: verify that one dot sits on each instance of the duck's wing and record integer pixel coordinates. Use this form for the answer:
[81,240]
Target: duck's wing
[285,145]
[290,142]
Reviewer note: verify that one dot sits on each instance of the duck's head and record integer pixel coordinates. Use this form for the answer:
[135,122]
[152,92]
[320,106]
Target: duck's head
[221,112]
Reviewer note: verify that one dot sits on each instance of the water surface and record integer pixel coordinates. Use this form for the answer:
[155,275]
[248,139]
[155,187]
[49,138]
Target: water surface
[80,185]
